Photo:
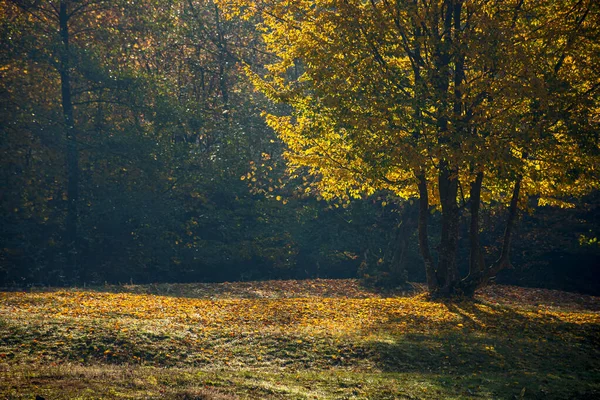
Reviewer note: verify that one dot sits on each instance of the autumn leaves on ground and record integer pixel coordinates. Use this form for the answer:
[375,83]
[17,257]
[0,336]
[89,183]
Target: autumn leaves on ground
[319,339]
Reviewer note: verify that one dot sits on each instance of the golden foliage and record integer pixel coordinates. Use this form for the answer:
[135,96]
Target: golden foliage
[369,111]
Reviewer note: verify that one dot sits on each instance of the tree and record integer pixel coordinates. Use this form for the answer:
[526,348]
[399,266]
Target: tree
[51,41]
[454,103]
[160,124]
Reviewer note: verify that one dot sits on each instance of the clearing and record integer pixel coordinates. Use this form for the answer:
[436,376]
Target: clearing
[315,339]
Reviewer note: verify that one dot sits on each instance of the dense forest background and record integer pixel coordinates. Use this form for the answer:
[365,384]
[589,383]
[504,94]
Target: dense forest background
[133,150]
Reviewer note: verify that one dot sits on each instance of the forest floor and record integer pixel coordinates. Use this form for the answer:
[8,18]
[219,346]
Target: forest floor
[315,339]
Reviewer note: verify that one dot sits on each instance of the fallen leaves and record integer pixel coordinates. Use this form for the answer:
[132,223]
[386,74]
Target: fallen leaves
[291,324]
[321,309]
[542,298]
[335,315]
[274,289]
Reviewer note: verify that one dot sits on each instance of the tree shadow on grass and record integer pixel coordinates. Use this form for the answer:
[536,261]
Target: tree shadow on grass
[499,350]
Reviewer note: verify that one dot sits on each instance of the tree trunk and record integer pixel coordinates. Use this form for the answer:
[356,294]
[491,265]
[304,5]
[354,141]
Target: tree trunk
[504,259]
[72,162]
[430,271]
[476,261]
[474,281]
[223,65]
[447,273]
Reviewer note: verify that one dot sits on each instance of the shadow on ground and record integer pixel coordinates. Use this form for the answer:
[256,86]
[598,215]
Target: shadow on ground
[499,350]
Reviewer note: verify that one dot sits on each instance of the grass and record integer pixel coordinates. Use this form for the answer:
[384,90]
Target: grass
[296,340]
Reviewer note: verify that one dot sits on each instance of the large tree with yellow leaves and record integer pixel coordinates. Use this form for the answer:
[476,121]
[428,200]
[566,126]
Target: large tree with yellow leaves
[452,102]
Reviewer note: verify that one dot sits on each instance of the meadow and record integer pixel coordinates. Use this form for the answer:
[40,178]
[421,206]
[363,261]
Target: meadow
[314,339]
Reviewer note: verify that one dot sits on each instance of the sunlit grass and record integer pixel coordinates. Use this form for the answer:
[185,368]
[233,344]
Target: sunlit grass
[93,343]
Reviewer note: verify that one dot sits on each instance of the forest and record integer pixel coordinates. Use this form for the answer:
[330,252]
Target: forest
[370,157]
[179,141]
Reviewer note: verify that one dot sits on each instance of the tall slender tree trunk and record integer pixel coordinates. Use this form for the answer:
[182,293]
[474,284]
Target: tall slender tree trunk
[223,65]
[72,162]
[476,261]
[430,271]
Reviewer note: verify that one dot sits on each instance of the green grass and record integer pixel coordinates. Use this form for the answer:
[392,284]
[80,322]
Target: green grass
[509,343]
